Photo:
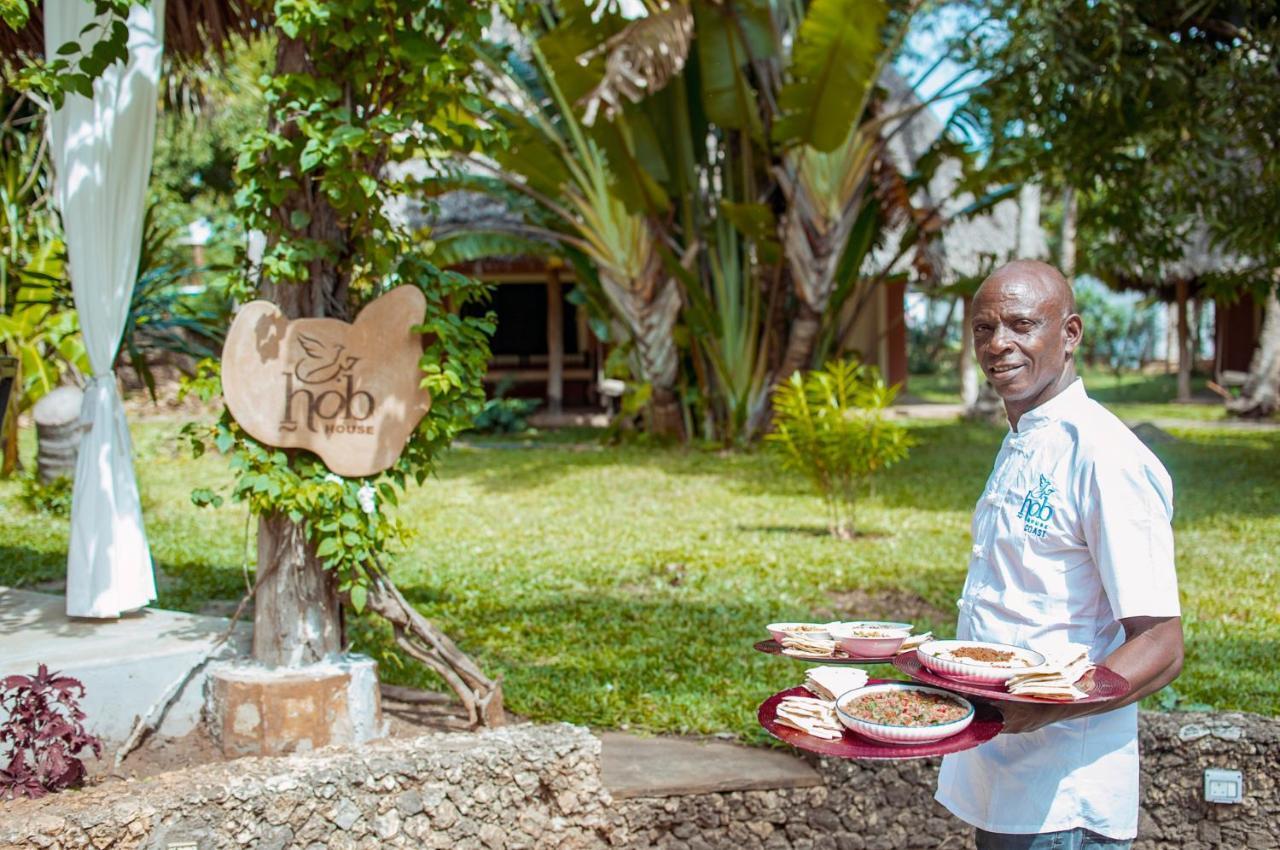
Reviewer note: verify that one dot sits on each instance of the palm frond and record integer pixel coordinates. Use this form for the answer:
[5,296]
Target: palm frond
[639,61]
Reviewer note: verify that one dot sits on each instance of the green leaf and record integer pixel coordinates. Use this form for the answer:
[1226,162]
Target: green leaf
[359,596]
[311,155]
[836,53]
[727,95]
[299,219]
[328,547]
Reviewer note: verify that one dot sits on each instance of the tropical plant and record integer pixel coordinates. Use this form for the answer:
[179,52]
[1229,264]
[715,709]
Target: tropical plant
[1120,332]
[163,318]
[830,425]
[37,326]
[738,147]
[504,415]
[554,160]
[43,734]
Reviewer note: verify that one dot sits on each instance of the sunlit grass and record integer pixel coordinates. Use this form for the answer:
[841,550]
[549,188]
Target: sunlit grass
[624,586]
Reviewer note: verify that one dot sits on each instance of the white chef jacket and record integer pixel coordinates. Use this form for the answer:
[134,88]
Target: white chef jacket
[1071,534]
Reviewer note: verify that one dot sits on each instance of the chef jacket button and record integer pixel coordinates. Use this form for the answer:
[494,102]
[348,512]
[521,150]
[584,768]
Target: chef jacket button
[977,550]
[993,497]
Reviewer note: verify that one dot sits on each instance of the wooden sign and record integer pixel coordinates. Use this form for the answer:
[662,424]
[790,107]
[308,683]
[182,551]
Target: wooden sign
[348,392]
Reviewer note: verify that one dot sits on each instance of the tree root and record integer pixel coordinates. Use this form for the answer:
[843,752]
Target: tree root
[417,637]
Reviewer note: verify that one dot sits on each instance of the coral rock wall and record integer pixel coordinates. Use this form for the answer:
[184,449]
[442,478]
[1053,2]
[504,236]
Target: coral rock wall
[539,787]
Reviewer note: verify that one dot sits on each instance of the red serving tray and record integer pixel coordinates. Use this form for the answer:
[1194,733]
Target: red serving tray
[1107,684]
[772,647]
[985,726]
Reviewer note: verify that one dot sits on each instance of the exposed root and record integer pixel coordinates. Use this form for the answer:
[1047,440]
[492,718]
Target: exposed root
[416,635]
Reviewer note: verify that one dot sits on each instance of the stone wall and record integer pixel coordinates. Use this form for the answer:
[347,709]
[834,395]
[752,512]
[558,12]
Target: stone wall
[521,787]
[890,806]
[539,787]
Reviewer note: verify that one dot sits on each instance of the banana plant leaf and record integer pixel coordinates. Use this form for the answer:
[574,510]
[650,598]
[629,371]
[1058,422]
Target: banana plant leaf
[835,58]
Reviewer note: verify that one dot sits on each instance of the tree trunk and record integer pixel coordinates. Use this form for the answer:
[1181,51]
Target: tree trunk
[968,366]
[297,614]
[11,383]
[942,332]
[1029,235]
[1184,342]
[1067,250]
[1261,392]
[650,305]
[800,341]
[812,243]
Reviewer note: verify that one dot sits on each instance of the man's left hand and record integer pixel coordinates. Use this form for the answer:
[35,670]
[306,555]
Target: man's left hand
[1149,659]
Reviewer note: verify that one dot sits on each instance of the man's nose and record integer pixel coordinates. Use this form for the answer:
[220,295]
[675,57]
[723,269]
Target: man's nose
[1001,339]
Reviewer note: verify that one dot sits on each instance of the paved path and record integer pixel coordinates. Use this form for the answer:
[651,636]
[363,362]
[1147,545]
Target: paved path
[633,766]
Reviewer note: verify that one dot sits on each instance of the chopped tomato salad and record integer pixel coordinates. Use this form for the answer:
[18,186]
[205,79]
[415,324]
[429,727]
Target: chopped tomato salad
[905,708]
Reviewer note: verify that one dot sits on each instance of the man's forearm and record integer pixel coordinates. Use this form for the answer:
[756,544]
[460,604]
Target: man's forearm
[1150,658]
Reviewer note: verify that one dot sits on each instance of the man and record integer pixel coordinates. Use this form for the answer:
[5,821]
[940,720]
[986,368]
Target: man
[1072,547]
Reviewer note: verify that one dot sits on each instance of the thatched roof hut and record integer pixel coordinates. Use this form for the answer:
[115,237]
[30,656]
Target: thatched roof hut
[970,246]
[193,29]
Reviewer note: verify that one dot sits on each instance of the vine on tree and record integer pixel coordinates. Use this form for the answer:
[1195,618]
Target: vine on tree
[364,108]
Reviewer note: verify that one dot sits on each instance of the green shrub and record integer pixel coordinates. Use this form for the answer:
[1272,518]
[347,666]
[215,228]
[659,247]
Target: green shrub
[502,415]
[53,498]
[829,424]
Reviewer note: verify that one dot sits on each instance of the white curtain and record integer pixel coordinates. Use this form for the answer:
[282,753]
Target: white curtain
[101,152]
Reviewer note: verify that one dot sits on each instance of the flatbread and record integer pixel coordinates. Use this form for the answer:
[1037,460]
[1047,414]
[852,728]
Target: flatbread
[831,682]
[914,641]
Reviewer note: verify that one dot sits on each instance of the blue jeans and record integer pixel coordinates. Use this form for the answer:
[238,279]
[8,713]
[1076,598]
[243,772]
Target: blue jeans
[1071,839]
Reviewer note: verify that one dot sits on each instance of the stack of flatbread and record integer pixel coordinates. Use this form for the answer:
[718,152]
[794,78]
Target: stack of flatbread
[1055,679]
[808,647]
[910,644]
[813,716]
[830,682]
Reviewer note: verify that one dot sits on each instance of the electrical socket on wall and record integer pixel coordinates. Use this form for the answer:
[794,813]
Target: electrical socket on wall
[1223,786]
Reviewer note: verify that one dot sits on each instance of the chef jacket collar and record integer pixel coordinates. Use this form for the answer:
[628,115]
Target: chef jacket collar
[1052,410]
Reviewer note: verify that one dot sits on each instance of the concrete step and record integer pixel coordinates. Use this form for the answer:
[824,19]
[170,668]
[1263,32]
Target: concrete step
[632,766]
[126,665]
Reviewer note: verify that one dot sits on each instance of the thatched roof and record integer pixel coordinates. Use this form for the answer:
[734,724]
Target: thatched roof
[193,29]
[1201,261]
[970,247]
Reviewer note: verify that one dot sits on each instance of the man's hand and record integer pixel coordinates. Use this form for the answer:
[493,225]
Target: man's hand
[1150,658]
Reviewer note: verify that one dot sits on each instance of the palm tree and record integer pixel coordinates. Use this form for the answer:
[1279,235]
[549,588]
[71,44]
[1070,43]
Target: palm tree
[738,197]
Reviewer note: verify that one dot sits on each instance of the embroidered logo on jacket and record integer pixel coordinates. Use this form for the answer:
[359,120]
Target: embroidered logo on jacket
[1036,512]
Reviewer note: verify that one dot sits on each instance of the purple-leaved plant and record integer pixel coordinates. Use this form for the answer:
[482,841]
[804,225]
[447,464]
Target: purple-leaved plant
[44,734]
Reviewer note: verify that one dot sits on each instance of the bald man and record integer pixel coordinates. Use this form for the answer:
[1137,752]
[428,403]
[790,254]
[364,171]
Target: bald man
[1072,549]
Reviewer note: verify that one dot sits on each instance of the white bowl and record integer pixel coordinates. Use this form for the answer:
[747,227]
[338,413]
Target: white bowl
[881,646]
[878,625]
[781,630]
[974,672]
[902,734]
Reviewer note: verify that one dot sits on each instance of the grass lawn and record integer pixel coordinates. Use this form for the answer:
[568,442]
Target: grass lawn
[624,586]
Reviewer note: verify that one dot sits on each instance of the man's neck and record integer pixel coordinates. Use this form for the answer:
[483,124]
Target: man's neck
[1015,409]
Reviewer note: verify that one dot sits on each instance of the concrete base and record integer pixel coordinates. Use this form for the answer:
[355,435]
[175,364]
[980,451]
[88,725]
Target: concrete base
[255,710]
[670,766]
[126,665]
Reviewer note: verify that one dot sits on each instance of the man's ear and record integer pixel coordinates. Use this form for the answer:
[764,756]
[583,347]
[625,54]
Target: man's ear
[1073,330]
